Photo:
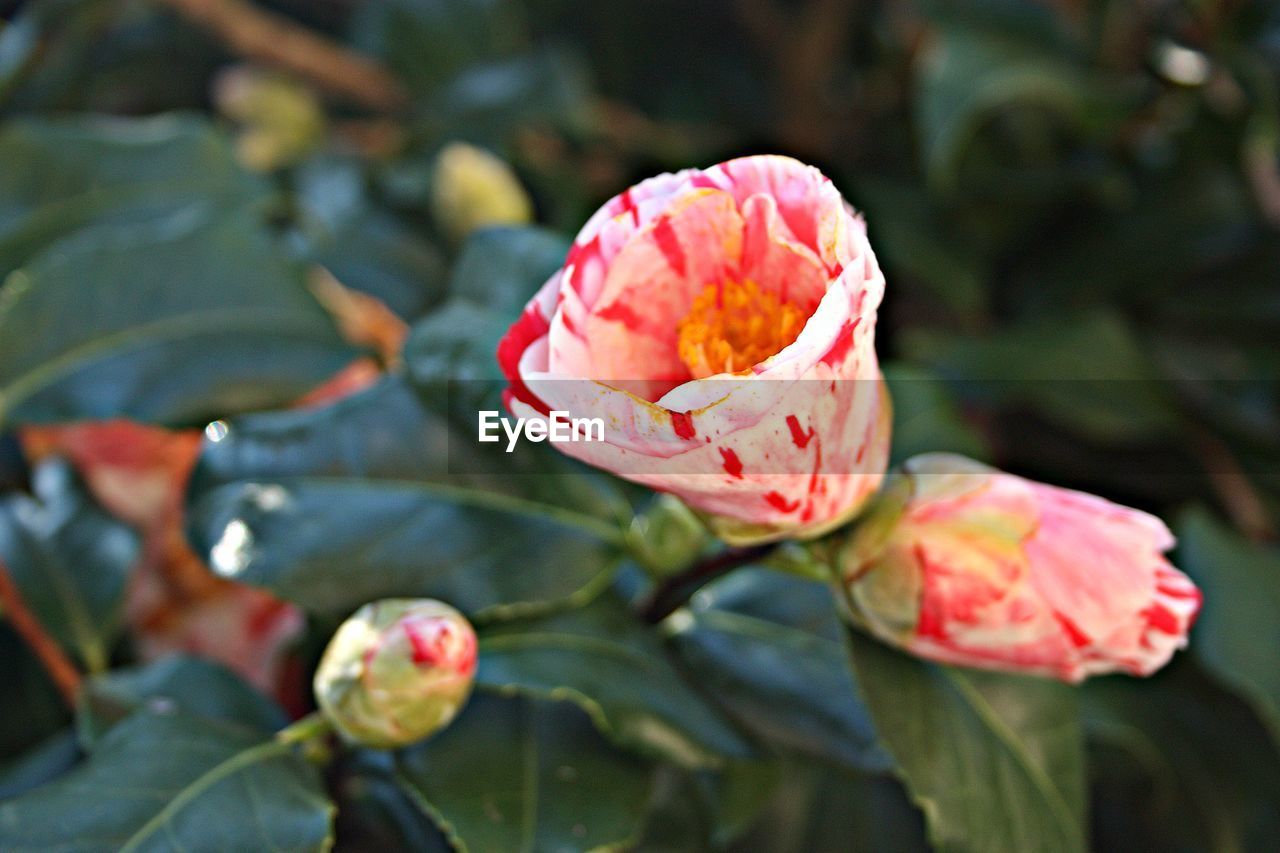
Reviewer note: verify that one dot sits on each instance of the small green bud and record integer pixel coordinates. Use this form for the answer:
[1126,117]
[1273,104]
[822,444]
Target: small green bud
[667,537]
[472,188]
[397,671]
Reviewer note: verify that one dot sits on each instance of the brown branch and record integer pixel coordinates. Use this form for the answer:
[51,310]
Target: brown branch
[64,674]
[672,593]
[1236,494]
[274,39]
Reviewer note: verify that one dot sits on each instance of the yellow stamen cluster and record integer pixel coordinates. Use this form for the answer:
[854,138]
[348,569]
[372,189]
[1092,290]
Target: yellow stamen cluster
[733,326]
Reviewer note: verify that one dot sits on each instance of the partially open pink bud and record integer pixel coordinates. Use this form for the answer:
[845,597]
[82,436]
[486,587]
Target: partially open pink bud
[397,671]
[964,564]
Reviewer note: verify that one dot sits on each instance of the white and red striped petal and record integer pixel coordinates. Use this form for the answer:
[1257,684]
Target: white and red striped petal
[790,447]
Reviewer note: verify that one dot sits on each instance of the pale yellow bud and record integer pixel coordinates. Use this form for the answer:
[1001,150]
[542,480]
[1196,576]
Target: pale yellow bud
[281,120]
[472,188]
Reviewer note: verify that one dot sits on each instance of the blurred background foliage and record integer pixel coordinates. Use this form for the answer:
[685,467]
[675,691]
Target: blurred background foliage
[1076,203]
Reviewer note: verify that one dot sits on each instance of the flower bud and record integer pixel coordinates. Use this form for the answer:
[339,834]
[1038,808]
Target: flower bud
[281,121]
[960,563]
[397,671]
[472,189]
[667,537]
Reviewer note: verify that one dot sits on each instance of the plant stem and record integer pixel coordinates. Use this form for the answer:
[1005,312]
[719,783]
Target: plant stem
[1235,492]
[61,670]
[672,593]
[268,37]
[310,727]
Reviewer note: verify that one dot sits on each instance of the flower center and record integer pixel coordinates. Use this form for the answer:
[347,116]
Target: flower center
[733,326]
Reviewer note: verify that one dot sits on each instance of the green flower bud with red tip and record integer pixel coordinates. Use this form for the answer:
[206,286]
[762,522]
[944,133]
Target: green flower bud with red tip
[397,671]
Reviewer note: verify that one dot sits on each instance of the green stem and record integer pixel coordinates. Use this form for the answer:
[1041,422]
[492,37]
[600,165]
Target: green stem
[314,725]
[309,727]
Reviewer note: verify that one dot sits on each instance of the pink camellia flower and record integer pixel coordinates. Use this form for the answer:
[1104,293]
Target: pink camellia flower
[960,563]
[721,323]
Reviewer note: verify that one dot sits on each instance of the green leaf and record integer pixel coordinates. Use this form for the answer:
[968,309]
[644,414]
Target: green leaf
[487,103]
[467,65]
[526,775]
[1180,763]
[82,172]
[44,763]
[171,321]
[365,247]
[926,418]
[335,506]
[450,354]
[706,810]
[817,807]
[427,41]
[331,546]
[167,781]
[501,268]
[968,73]
[994,761]
[194,686]
[374,810]
[1238,631]
[782,671]
[498,271]
[1087,371]
[70,560]
[376,254]
[602,658]
[19,40]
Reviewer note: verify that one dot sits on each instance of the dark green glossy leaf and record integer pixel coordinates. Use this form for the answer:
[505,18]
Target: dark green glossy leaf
[818,807]
[70,560]
[466,65]
[501,268]
[1237,634]
[365,247]
[1179,763]
[19,38]
[81,172]
[375,812]
[781,670]
[376,254]
[706,810]
[525,775]
[169,321]
[428,41]
[603,658]
[42,764]
[336,506]
[994,761]
[967,73]
[193,686]
[498,271]
[331,546]
[488,102]
[165,781]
